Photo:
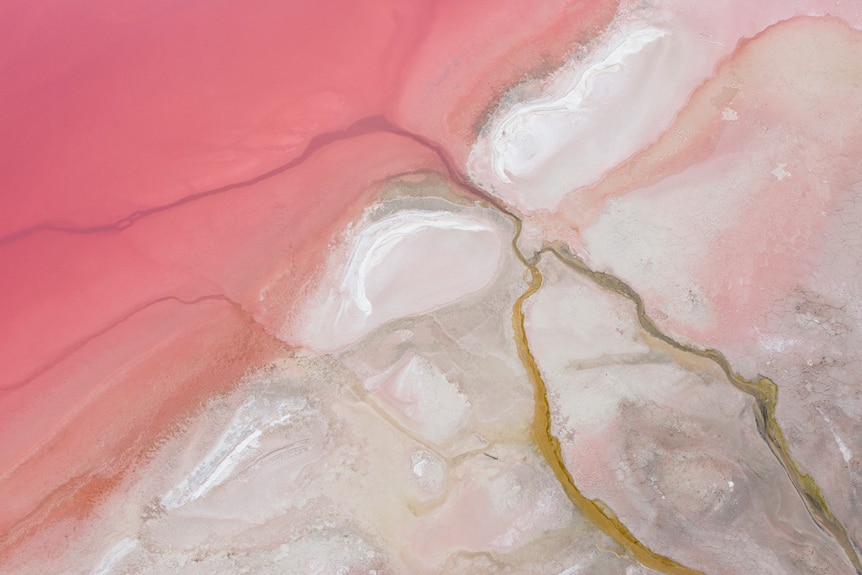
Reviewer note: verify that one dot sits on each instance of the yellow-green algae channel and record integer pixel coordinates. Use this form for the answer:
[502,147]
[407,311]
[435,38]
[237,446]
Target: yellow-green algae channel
[549,447]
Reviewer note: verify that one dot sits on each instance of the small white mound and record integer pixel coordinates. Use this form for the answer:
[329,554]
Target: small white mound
[408,263]
[420,397]
[590,116]
[238,442]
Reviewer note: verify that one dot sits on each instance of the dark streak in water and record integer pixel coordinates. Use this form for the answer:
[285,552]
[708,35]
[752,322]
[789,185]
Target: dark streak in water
[365,126]
[71,349]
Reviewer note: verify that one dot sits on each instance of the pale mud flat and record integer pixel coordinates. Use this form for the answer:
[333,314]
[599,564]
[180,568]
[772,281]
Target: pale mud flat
[732,210]
[664,440]
[397,445]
